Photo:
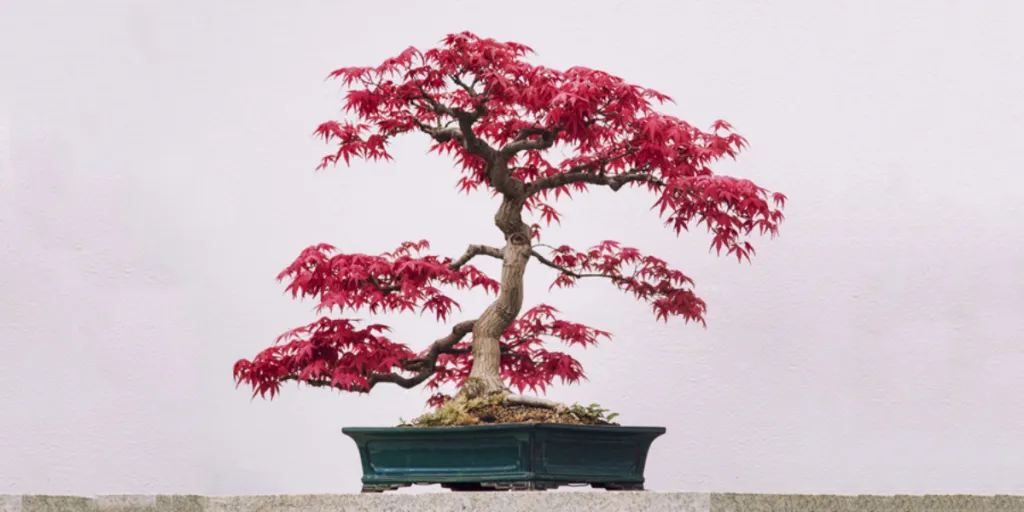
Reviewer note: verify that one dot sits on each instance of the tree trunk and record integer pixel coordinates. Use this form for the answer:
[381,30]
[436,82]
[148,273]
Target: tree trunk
[485,375]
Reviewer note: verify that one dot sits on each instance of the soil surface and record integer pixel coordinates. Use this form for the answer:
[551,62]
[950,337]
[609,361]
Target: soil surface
[526,414]
[486,412]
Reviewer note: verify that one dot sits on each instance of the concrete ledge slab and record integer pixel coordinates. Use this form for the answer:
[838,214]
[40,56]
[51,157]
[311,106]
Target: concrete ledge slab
[10,503]
[37,503]
[477,502]
[831,503]
[505,501]
[516,501]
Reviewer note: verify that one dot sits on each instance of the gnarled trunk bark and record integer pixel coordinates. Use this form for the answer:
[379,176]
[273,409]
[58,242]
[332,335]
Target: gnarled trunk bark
[485,375]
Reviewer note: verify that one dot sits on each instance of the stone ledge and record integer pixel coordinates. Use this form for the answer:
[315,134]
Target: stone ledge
[515,501]
[835,503]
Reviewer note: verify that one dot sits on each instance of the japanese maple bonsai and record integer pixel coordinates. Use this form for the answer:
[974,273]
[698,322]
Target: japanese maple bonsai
[499,116]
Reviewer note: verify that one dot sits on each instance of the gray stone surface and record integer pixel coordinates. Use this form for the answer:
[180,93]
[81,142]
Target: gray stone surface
[40,503]
[516,501]
[125,503]
[469,502]
[830,503]
[111,503]
[472,502]
[181,503]
[10,503]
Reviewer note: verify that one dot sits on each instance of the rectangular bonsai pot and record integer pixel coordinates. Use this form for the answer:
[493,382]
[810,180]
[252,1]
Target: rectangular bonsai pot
[507,456]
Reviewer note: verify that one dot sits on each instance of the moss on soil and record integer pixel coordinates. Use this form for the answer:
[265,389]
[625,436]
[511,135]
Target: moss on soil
[492,410]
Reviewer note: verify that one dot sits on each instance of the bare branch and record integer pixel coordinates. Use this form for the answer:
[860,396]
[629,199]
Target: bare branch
[475,250]
[442,133]
[426,365]
[614,182]
[523,142]
[583,173]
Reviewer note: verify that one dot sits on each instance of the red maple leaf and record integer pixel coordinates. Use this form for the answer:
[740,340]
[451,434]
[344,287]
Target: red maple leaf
[498,116]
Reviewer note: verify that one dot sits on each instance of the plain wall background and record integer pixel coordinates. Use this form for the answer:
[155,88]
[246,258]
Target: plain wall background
[156,172]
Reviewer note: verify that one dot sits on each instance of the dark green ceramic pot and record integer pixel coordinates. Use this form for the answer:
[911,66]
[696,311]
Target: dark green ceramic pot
[500,457]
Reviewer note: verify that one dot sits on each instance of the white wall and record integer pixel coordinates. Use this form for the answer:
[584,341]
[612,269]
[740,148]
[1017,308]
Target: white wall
[160,175]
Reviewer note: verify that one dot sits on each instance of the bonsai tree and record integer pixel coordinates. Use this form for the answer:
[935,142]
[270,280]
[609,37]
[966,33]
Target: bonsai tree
[499,116]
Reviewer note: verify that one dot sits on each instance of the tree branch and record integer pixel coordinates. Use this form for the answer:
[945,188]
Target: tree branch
[426,365]
[469,140]
[459,331]
[505,351]
[600,164]
[471,252]
[497,162]
[523,142]
[423,366]
[581,173]
[479,104]
[442,133]
[562,269]
[437,106]
[475,250]
[383,289]
[466,87]
[613,182]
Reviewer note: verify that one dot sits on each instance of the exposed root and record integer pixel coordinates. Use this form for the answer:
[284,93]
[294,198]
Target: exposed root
[535,401]
[501,408]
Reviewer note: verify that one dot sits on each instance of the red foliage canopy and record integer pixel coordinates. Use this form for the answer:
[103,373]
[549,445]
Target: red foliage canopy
[472,96]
